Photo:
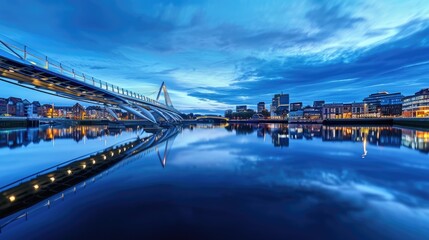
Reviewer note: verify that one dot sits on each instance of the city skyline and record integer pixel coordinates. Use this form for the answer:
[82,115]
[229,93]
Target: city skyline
[336,51]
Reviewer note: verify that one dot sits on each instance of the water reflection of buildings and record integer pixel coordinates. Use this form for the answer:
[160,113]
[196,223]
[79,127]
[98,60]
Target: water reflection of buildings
[415,139]
[379,136]
[24,137]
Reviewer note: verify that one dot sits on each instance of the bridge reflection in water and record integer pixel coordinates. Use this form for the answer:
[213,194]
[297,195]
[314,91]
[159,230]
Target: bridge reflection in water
[32,192]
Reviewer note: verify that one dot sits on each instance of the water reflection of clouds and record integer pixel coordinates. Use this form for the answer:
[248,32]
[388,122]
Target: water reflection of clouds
[330,169]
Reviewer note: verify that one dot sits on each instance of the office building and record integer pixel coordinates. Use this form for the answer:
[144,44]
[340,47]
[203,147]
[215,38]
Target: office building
[242,108]
[318,104]
[280,105]
[384,104]
[295,106]
[261,107]
[416,105]
[312,113]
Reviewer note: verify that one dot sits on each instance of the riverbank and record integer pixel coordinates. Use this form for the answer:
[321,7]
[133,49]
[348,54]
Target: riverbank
[406,122]
[18,122]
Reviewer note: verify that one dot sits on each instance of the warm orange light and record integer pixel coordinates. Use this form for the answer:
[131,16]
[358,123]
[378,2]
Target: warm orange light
[104,157]
[12,198]
[52,179]
[36,186]
[69,172]
[84,166]
[93,161]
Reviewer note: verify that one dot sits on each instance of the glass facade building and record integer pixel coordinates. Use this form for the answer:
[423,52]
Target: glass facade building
[384,104]
[416,105]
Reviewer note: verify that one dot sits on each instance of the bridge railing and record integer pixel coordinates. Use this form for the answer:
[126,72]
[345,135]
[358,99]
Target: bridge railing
[38,59]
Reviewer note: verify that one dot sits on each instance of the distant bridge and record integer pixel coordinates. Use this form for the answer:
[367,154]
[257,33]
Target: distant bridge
[216,118]
[25,67]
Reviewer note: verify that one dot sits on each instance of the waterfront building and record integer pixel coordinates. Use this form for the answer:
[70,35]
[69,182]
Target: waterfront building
[272,110]
[15,107]
[95,112]
[280,105]
[358,110]
[257,116]
[261,107]
[347,110]
[3,106]
[242,108]
[28,108]
[295,106]
[416,105]
[37,108]
[63,111]
[318,104]
[78,111]
[312,113]
[296,115]
[384,104]
[332,110]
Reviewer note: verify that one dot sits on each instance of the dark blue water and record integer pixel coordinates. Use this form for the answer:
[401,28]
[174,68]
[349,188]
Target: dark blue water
[240,182]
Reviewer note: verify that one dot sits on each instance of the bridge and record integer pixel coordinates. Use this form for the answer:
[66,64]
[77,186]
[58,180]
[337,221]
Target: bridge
[212,118]
[22,66]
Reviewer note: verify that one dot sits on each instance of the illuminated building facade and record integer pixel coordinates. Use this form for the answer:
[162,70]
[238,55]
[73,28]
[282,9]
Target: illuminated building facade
[332,111]
[416,105]
[384,104]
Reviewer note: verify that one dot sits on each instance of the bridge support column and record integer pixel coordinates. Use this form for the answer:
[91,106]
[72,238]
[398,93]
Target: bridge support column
[145,114]
[161,114]
[112,113]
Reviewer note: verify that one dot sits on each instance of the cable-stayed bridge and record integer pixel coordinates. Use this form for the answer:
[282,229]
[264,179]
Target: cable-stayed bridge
[20,65]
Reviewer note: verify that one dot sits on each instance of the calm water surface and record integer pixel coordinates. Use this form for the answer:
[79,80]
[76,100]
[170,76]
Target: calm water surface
[233,181]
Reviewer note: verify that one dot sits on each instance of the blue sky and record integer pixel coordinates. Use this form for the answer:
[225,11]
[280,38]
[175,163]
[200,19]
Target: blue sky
[214,55]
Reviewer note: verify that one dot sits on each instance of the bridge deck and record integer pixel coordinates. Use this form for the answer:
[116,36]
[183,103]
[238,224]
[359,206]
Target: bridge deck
[33,69]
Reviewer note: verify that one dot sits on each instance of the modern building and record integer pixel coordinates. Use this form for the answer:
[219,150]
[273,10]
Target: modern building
[228,113]
[295,106]
[312,113]
[241,108]
[384,104]
[280,105]
[318,104]
[416,105]
[296,115]
[261,107]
